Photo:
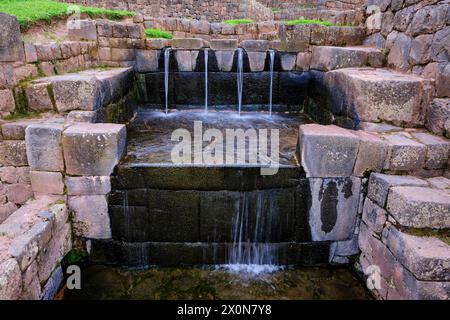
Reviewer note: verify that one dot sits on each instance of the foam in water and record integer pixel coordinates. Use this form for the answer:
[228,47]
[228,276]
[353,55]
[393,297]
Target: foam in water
[250,269]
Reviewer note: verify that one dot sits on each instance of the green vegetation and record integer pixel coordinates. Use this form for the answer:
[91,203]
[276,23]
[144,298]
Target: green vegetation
[31,11]
[443,235]
[308,21]
[236,22]
[156,33]
[274,10]
[19,115]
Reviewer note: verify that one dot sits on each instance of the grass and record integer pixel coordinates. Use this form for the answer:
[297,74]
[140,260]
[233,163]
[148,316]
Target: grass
[275,10]
[236,22]
[156,33]
[308,21]
[31,11]
[22,115]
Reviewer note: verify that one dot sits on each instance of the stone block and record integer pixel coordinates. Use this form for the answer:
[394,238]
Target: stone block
[375,95]
[419,207]
[186,60]
[398,57]
[43,182]
[374,216]
[257,61]
[379,185]
[7,104]
[437,115]
[11,46]
[147,60]
[295,38]
[200,27]
[15,174]
[30,53]
[19,193]
[333,208]
[157,44]
[13,153]
[187,43]
[10,276]
[404,153]
[438,150]
[327,151]
[120,54]
[443,80]
[371,154]
[26,247]
[83,116]
[288,61]
[84,186]
[225,60]
[90,216]
[224,44]
[76,92]
[303,61]
[255,45]
[7,209]
[439,182]
[421,49]
[43,145]
[427,258]
[93,149]
[15,130]
[327,58]
[82,30]
[38,96]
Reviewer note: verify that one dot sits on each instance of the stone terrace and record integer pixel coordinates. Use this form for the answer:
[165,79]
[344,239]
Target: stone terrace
[380,151]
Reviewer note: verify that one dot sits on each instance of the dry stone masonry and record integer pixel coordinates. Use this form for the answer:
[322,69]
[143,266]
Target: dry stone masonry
[374,178]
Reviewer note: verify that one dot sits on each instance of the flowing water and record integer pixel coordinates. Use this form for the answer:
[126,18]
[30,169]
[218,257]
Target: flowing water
[206,79]
[166,76]
[272,63]
[252,249]
[240,78]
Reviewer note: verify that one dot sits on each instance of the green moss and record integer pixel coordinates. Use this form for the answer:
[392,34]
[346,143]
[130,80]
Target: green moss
[156,33]
[308,21]
[235,22]
[275,10]
[443,235]
[31,11]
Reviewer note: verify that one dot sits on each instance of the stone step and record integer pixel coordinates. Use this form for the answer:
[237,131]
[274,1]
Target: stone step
[420,207]
[327,58]
[88,90]
[208,178]
[188,254]
[374,95]
[337,17]
[428,258]
[331,151]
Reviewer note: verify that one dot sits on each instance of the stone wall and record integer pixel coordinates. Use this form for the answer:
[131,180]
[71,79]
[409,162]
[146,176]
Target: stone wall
[303,4]
[33,242]
[15,184]
[417,36]
[211,10]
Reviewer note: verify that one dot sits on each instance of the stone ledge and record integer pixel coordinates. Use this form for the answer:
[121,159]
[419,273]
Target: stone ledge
[419,207]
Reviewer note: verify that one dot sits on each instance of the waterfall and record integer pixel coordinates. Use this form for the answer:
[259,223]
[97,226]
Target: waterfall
[206,79]
[272,63]
[251,249]
[240,77]
[166,76]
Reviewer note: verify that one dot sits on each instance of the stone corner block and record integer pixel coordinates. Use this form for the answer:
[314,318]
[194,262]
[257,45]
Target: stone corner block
[91,218]
[327,151]
[43,144]
[93,149]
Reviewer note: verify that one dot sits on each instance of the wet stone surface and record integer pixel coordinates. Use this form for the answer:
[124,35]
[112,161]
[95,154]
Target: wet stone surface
[104,283]
[150,132]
